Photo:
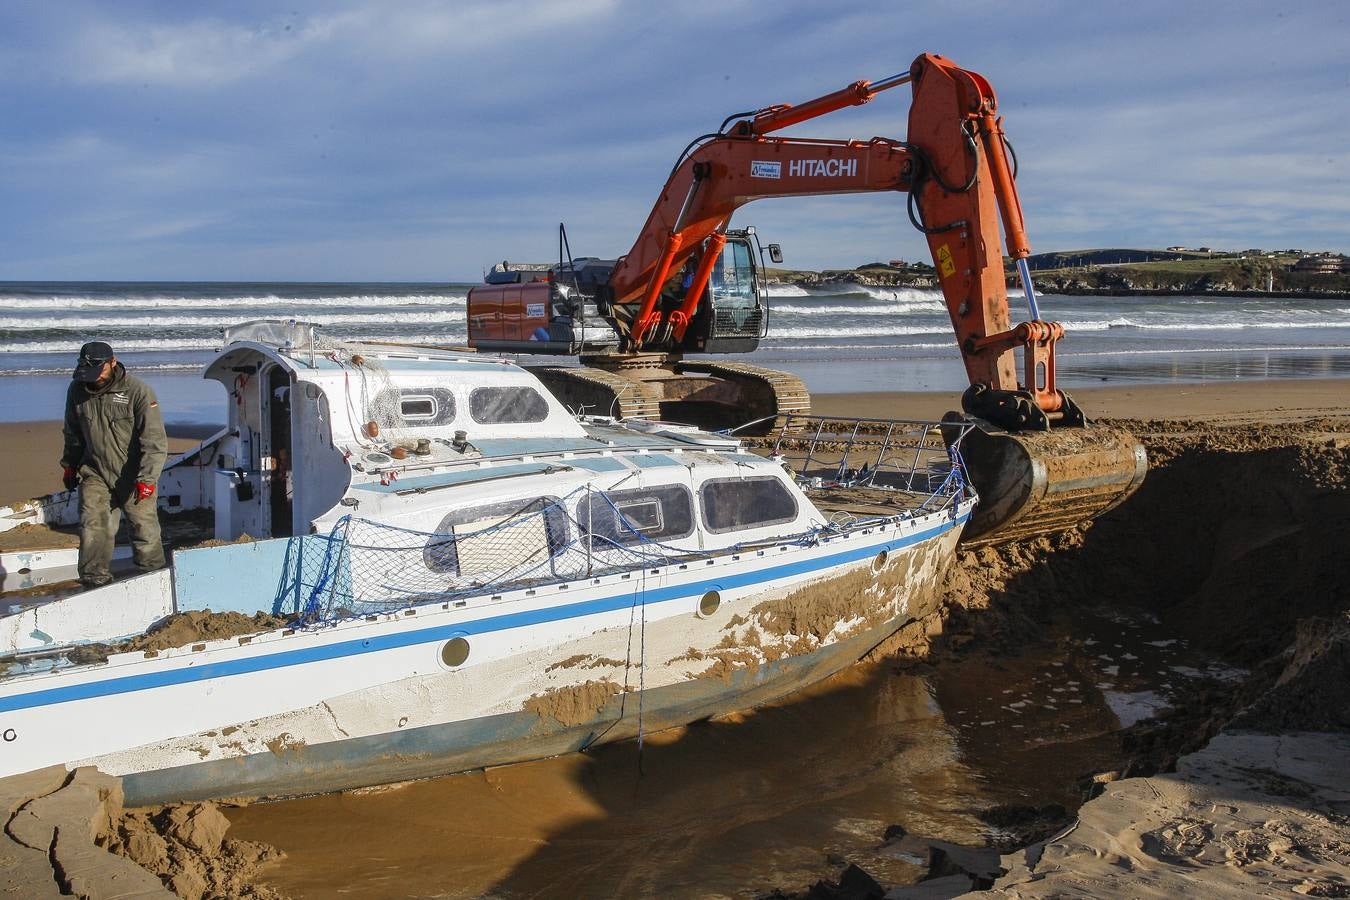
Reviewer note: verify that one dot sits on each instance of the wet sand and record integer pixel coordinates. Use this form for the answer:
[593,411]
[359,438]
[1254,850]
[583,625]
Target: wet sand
[1244,401]
[31,452]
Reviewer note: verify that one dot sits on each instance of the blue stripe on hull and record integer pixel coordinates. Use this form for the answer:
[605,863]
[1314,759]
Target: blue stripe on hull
[354,648]
[434,750]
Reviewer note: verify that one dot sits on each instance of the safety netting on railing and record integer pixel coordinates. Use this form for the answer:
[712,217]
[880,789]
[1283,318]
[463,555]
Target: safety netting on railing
[901,454]
[363,567]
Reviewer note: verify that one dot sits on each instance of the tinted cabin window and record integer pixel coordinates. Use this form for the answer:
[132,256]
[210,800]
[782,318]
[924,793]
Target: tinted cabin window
[507,405]
[664,512]
[479,538]
[734,504]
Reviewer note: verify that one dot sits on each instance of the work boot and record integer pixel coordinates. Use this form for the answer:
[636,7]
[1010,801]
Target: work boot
[96,581]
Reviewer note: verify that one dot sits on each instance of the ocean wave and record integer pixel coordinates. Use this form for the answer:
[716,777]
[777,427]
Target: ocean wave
[884,308]
[1172,351]
[138,367]
[181,344]
[785,290]
[1108,324]
[771,343]
[848,288]
[132,319]
[131,301]
[824,331]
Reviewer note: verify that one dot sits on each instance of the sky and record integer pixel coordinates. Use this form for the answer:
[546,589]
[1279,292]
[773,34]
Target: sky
[421,141]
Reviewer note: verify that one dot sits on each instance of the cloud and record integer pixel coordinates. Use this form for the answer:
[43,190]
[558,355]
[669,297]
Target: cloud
[203,53]
[358,139]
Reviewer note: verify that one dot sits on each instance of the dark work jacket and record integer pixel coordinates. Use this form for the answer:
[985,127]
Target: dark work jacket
[115,432]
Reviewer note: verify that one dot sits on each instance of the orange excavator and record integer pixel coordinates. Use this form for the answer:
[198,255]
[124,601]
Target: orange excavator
[690,284]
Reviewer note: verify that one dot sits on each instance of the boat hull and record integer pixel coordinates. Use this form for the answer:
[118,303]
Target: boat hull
[549,670]
[450,747]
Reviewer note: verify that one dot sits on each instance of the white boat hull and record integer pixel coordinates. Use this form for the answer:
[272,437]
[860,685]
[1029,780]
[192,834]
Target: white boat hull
[549,669]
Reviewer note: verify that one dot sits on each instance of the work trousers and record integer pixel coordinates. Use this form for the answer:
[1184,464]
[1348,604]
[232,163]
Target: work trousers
[100,512]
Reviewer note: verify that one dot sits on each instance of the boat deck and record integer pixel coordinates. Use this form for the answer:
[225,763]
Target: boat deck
[866,502]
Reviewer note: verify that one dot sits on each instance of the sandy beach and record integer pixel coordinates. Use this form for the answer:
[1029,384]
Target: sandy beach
[31,449]
[32,453]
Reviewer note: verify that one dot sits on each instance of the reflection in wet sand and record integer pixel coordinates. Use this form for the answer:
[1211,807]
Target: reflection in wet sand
[723,806]
[779,797]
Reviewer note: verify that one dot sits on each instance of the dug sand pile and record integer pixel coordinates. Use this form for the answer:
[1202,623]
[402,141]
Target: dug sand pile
[66,834]
[1238,543]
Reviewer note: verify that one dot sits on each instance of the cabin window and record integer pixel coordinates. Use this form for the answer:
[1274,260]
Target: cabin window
[517,536]
[735,504]
[405,407]
[418,407]
[660,513]
[513,405]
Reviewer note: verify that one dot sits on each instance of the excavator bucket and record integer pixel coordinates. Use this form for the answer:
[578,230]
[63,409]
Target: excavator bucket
[1035,483]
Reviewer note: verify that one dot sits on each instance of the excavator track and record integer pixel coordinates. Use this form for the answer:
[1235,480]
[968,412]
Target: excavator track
[707,394]
[1040,483]
[599,392]
[765,392]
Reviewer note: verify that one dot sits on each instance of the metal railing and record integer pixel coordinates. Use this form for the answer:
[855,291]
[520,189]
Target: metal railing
[900,454]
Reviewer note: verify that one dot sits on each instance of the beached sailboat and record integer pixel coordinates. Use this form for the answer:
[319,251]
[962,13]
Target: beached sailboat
[468,575]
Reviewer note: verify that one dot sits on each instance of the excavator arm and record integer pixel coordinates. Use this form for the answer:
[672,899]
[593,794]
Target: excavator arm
[954,167]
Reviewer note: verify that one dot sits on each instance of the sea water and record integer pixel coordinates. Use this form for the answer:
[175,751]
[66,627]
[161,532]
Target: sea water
[838,337]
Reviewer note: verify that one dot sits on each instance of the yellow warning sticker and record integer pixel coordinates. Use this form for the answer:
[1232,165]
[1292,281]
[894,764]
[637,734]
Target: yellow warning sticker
[945,264]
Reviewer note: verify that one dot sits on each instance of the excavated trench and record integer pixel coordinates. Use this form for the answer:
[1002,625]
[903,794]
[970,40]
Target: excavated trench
[1060,664]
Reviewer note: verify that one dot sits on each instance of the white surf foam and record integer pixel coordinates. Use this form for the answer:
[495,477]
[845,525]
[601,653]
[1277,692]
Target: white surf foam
[179,344]
[133,302]
[221,320]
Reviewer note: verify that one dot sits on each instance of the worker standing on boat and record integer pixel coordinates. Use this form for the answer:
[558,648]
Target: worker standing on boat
[115,449]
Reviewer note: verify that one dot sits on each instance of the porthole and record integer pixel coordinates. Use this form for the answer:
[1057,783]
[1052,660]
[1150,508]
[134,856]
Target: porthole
[709,603]
[455,652]
[880,561]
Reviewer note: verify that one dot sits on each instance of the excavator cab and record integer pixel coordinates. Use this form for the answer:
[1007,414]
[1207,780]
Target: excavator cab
[733,316]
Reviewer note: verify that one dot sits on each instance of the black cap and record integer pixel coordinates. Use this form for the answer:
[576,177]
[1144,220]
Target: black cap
[92,357]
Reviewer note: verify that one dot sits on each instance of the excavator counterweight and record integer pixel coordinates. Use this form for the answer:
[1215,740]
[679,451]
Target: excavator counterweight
[691,284]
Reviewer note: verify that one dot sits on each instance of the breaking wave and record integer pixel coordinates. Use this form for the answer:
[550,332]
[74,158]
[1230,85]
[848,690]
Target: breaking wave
[72,302]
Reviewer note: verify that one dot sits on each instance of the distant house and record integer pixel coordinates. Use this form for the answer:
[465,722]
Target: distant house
[1177,249]
[1319,265]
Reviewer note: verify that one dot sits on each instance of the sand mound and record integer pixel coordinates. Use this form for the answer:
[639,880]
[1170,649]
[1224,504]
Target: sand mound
[186,847]
[1236,541]
[1313,691]
[1236,535]
[182,629]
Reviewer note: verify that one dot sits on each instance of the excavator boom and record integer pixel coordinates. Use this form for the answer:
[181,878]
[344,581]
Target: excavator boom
[1035,461]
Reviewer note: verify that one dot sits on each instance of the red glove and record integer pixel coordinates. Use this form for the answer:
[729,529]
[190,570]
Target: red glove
[69,477]
[144,491]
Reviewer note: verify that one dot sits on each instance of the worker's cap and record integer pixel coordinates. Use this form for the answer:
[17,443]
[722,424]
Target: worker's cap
[93,356]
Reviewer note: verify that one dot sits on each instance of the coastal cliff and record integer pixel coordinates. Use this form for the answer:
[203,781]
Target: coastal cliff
[1219,277]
